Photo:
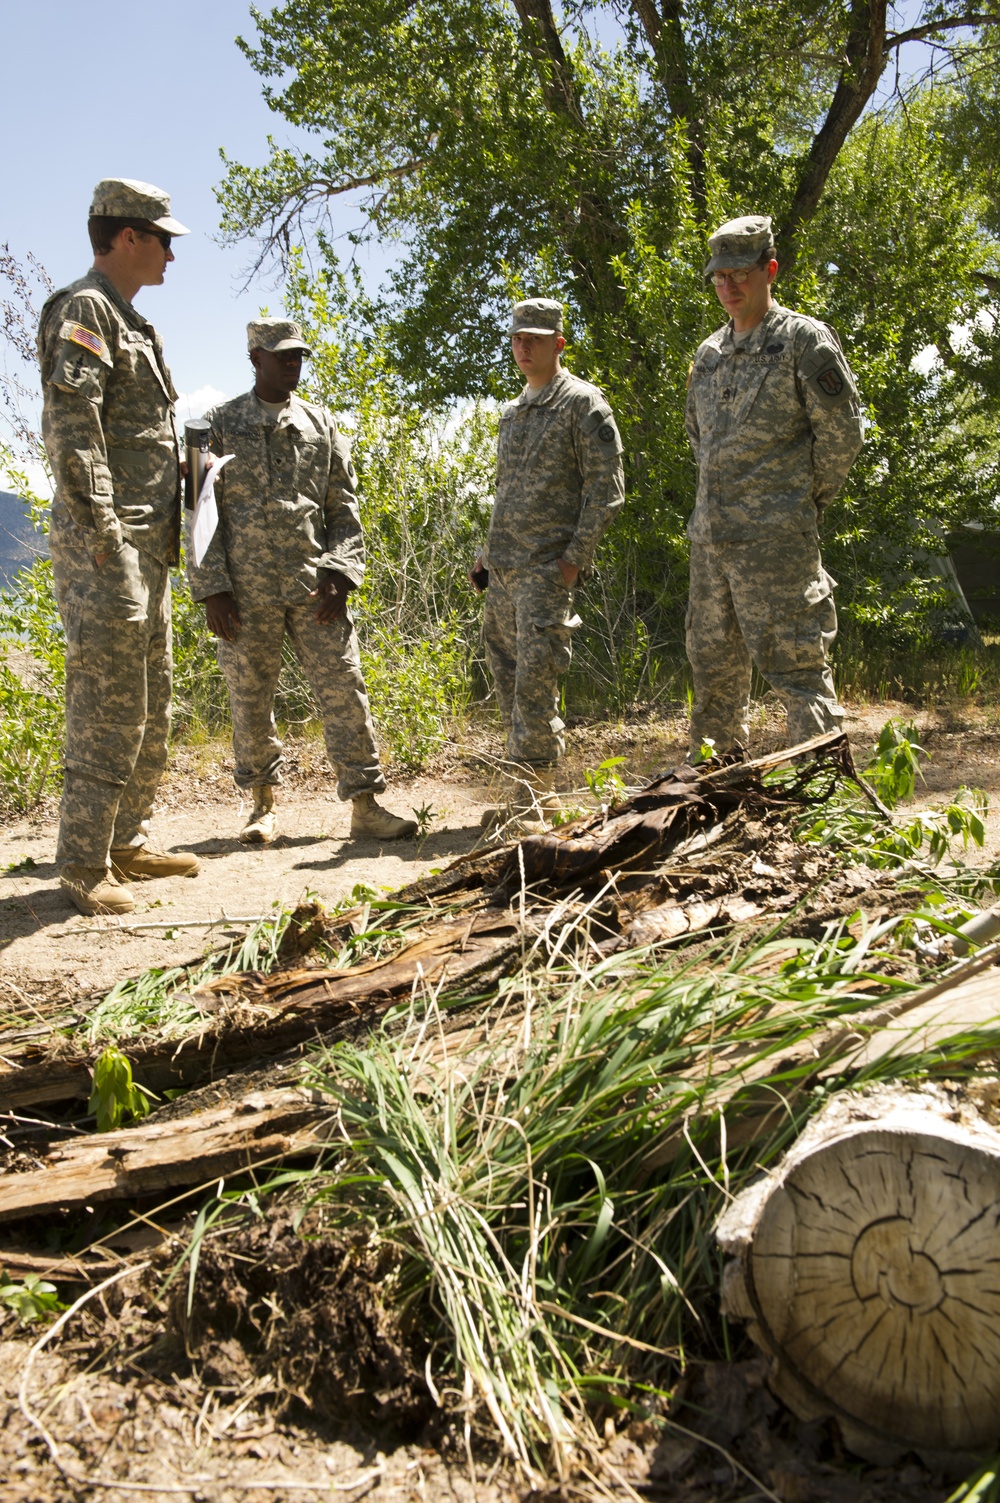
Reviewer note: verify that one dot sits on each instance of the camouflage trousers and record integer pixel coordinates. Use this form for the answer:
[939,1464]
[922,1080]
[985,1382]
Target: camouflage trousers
[118,672]
[528,626]
[769,603]
[330,660]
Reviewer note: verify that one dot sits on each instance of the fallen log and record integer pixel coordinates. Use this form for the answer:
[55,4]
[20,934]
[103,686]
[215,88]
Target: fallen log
[308,1005]
[669,810]
[865,1267]
[154,1156]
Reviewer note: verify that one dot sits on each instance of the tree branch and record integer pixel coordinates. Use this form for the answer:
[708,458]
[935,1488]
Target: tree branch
[275,236]
[331,190]
[868,48]
[545,44]
[921,33]
[864,62]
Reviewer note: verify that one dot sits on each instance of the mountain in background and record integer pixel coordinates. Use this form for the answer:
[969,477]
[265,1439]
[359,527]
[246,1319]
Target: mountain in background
[20,544]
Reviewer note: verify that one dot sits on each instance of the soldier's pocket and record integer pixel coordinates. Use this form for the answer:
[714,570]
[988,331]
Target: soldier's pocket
[800,642]
[552,646]
[120,586]
[89,645]
[141,473]
[105,648]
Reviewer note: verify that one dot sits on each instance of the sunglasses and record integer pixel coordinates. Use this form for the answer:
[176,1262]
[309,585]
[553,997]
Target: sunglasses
[160,235]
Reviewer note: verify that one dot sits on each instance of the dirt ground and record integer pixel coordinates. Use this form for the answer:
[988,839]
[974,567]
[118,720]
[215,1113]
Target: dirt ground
[115,1424]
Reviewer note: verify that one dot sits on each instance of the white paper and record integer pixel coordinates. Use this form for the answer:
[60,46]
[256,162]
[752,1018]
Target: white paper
[206,512]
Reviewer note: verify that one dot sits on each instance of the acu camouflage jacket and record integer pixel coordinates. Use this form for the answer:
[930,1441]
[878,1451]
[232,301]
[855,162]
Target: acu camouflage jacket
[287,501]
[775,424]
[108,423]
[559,476]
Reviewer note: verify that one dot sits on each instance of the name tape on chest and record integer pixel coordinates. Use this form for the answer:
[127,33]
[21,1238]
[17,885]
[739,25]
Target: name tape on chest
[90,341]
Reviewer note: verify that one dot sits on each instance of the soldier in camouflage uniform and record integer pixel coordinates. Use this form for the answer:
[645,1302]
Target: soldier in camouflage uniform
[108,427]
[559,483]
[775,423]
[287,551]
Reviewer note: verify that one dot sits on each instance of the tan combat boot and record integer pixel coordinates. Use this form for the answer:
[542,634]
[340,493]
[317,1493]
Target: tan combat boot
[530,803]
[141,863]
[534,800]
[94,889]
[369,818]
[262,826]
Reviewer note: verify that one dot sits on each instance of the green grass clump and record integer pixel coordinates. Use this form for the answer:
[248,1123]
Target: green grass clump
[555,1265]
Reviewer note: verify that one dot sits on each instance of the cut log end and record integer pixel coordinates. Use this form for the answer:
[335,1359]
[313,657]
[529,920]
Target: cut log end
[869,1267]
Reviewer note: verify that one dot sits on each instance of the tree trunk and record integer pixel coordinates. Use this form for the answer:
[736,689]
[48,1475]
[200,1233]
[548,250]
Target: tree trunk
[865,1266]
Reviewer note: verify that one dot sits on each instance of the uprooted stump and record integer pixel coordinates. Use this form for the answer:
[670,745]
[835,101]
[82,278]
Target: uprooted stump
[679,856]
[865,1266]
[674,808]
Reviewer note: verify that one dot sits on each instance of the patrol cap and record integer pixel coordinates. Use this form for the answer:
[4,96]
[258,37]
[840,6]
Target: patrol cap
[124,198]
[739,243]
[274,335]
[539,315]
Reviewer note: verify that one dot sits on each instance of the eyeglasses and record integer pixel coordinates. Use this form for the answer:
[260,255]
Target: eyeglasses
[737,278]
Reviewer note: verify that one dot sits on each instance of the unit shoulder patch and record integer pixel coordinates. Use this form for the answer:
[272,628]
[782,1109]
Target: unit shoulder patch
[600,425]
[831,380]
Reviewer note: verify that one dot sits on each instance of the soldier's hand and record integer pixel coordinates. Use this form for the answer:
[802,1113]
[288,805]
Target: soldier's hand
[331,594]
[222,616]
[569,572]
[99,558]
[477,575]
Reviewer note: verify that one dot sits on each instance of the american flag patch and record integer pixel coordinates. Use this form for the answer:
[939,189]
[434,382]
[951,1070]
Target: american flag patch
[90,341]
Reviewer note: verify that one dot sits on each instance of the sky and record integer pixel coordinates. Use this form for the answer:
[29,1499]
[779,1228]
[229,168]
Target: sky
[123,88]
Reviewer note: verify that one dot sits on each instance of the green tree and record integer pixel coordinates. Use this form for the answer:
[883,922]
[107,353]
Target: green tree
[504,146]
[507,150]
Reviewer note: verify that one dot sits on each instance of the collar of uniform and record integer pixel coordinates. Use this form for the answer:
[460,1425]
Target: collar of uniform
[289,418]
[547,392]
[124,307]
[757,335]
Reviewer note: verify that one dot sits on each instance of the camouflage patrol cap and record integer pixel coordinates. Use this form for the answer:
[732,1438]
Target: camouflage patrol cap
[739,243]
[275,335]
[539,315]
[124,198]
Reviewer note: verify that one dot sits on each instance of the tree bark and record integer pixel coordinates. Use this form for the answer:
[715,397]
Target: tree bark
[309,1004]
[542,36]
[865,1267]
